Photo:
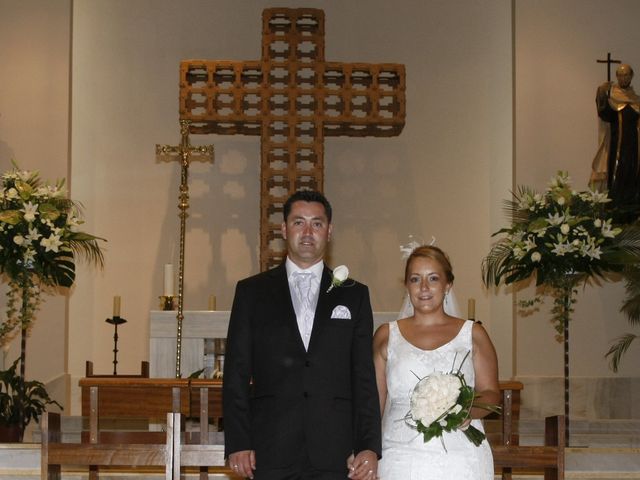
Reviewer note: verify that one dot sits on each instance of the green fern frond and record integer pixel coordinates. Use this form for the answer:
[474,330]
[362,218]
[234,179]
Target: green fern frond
[494,265]
[631,305]
[87,247]
[618,349]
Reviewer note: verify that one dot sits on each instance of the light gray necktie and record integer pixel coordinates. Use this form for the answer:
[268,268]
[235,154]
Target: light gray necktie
[302,282]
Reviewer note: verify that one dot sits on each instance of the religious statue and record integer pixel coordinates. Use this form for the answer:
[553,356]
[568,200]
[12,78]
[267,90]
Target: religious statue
[615,166]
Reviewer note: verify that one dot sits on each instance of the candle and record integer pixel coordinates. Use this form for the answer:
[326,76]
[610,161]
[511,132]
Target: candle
[116,306]
[471,309]
[168,280]
[212,302]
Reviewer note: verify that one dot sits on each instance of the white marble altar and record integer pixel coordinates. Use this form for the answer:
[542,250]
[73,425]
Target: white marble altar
[197,326]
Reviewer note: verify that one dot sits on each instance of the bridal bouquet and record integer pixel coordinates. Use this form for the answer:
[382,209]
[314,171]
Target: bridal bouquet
[442,402]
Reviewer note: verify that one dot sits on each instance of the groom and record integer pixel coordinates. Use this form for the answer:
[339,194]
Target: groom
[299,390]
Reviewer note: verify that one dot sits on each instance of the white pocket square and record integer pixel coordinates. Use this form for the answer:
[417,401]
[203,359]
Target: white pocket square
[341,312]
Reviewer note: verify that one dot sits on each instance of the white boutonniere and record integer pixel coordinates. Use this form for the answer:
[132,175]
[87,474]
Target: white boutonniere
[340,274]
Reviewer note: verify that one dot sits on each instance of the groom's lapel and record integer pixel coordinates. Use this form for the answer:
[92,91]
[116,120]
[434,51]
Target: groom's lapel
[282,301]
[323,307]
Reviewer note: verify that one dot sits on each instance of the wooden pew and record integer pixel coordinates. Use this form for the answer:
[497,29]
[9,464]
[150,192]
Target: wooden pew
[105,397]
[55,454]
[122,399]
[505,443]
[147,399]
[548,458]
[508,420]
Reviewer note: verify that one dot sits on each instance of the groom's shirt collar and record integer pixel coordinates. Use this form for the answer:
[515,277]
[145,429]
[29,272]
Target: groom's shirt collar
[316,269]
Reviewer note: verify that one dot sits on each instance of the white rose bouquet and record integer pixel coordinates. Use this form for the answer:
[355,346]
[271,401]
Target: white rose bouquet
[442,402]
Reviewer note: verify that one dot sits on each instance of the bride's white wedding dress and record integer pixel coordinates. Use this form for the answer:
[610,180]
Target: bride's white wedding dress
[405,456]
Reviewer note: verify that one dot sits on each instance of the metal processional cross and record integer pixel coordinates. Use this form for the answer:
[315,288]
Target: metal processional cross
[185,153]
[292,98]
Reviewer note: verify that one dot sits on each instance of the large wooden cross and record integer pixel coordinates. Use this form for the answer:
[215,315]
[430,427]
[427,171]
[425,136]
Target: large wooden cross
[292,98]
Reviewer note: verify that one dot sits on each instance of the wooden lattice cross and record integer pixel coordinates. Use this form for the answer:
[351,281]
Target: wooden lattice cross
[292,98]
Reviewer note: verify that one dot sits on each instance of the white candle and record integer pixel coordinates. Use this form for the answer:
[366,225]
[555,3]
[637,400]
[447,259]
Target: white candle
[116,306]
[168,280]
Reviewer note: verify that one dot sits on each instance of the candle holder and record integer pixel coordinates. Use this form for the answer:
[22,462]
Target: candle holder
[166,302]
[115,321]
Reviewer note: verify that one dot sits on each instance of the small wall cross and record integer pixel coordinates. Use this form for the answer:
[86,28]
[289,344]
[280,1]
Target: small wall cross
[608,61]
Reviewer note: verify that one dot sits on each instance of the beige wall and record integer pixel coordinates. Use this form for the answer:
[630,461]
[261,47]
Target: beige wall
[34,130]
[446,175]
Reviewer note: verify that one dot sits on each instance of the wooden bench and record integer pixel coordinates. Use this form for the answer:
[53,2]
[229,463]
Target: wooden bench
[123,399]
[55,454]
[135,397]
[548,458]
[507,432]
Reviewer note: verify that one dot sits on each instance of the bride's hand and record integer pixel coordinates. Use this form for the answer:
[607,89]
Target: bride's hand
[464,425]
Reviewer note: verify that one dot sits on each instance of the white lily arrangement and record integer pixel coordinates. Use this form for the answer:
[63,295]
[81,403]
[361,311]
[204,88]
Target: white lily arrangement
[39,242]
[557,232]
[561,236]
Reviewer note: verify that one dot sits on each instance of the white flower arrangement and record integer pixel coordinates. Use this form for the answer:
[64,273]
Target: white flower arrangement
[558,232]
[442,402]
[563,237]
[39,240]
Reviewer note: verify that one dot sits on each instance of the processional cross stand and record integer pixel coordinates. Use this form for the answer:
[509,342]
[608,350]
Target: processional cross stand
[185,151]
[292,98]
[608,61]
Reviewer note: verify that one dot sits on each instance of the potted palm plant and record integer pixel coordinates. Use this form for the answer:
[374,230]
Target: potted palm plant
[39,243]
[20,402]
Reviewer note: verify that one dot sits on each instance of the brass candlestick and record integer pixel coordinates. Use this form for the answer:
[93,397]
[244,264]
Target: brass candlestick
[184,151]
[166,302]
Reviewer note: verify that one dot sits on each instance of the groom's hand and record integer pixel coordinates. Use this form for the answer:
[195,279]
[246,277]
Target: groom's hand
[364,466]
[243,463]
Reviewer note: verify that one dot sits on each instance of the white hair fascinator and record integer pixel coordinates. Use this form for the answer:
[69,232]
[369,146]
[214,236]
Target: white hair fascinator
[410,246]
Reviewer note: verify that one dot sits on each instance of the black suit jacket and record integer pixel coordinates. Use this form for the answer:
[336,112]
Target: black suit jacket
[277,397]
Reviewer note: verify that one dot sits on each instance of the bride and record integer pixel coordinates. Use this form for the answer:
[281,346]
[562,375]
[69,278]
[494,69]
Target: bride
[429,340]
